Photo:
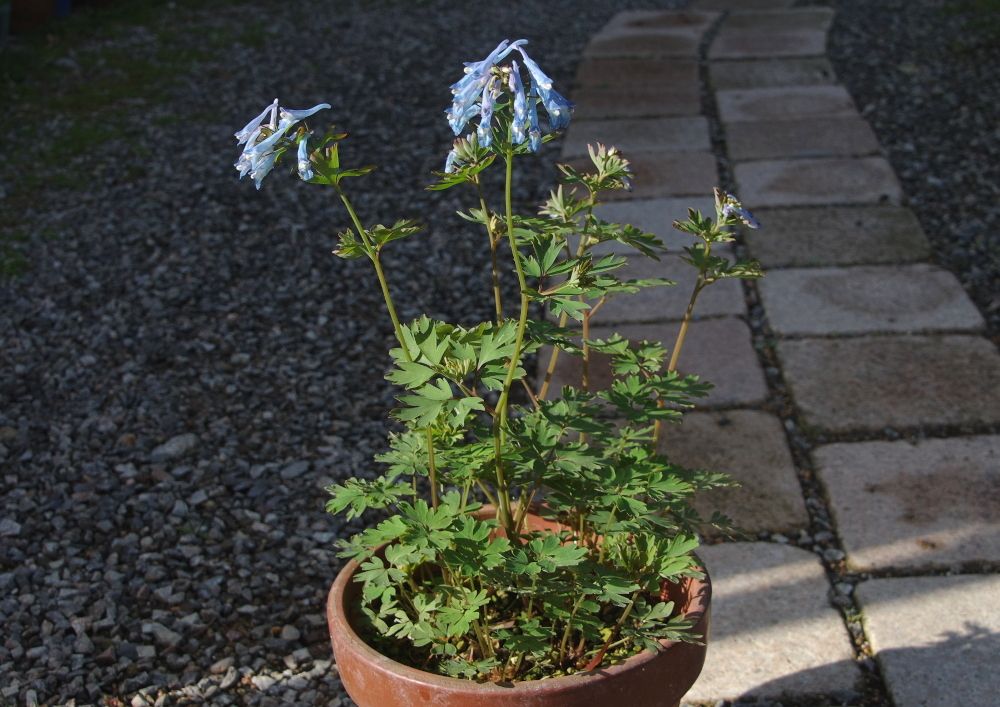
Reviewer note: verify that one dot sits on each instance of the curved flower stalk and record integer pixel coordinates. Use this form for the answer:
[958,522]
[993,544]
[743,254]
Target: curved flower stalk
[478,91]
[266,137]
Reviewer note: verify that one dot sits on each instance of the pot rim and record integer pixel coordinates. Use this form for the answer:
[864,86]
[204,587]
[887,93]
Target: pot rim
[699,597]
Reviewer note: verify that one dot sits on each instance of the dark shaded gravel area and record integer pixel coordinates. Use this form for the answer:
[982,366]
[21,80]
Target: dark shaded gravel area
[185,367]
[926,75]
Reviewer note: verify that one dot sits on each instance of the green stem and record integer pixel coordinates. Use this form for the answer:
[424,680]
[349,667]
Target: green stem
[500,422]
[432,469]
[596,660]
[494,242]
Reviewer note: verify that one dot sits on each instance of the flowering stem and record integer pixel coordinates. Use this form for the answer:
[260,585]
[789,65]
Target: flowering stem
[500,422]
[494,242]
[378,271]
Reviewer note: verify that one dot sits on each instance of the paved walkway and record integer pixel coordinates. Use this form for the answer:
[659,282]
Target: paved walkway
[855,391]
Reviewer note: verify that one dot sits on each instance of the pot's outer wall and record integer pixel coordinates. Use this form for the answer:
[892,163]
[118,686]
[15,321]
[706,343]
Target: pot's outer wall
[644,680]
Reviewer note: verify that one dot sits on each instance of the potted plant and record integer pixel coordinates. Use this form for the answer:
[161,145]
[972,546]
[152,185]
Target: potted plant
[535,547]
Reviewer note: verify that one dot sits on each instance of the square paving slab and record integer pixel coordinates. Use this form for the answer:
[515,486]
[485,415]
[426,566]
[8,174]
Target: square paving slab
[771,73]
[664,174]
[635,101]
[750,446]
[860,180]
[785,103]
[867,298]
[718,350]
[774,634]
[903,505]
[678,134]
[637,73]
[837,235]
[656,216]
[936,638]
[868,383]
[817,137]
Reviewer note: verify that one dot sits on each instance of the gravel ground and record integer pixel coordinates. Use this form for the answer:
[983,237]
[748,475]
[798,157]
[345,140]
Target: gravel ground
[184,364]
[926,75]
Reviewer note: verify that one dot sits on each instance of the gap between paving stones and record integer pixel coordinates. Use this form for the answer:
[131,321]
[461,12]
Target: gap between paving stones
[872,684]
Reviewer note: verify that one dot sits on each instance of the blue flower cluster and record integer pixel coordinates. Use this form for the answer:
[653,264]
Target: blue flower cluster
[257,158]
[476,94]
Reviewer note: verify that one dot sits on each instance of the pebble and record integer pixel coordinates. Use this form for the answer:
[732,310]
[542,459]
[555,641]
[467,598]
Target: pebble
[9,528]
[175,447]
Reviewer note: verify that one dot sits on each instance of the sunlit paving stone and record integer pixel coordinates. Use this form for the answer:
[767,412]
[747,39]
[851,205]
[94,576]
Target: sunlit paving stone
[837,235]
[774,634]
[863,299]
[657,216]
[678,134]
[861,180]
[936,638]
[785,103]
[926,505]
[774,139]
[869,383]
[769,73]
[769,497]
[664,174]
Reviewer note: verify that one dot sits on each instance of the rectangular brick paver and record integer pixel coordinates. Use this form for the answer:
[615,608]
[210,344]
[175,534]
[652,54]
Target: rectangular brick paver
[739,5]
[679,134]
[664,174]
[936,638]
[636,73]
[777,33]
[774,634]
[871,298]
[771,73]
[661,20]
[785,103]
[926,505]
[643,44]
[755,454]
[816,137]
[636,101]
[869,383]
[718,350]
[860,180]
[837,235]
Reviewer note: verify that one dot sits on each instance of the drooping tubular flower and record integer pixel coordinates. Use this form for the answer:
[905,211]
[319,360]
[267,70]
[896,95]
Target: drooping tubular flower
[259,155]
[477,92]
[730,207]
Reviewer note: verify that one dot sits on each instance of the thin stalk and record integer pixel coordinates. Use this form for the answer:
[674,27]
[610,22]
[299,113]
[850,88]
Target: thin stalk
[500,422]
[432,468]
[494,242]
[596,660]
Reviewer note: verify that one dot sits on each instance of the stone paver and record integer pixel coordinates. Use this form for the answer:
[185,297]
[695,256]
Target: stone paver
[861,180]
[664,174]
[741,4]
[869,383]
[923,505]
[677,134]
[636,101]
[776,33]
[838,235]
[871,298]
[771,73]
[651,34]
[656,216]
[773,632]
[936,638]
[664,303]
[785,103]
[822,137]
[659,20]
[755,454]
[718,350]
[638,73]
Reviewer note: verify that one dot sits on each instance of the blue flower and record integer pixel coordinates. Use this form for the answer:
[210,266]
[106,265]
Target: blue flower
[534,132]
[485,132]
[730,207]
[519,126]
[305,169]
[467,89]
[449,164]
[258,158]
[558,108]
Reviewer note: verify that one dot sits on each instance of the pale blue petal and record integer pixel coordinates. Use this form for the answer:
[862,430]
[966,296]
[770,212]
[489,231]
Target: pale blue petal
[305,168]
[485,130]
[297,115]
[537,75]
[449,164]
[243,135]
[519,125]
[262,168]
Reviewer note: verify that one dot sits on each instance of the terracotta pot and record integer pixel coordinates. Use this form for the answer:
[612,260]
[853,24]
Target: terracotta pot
[644,680]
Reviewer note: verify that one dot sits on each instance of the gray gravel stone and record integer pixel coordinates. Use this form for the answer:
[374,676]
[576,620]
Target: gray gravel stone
[175,447]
